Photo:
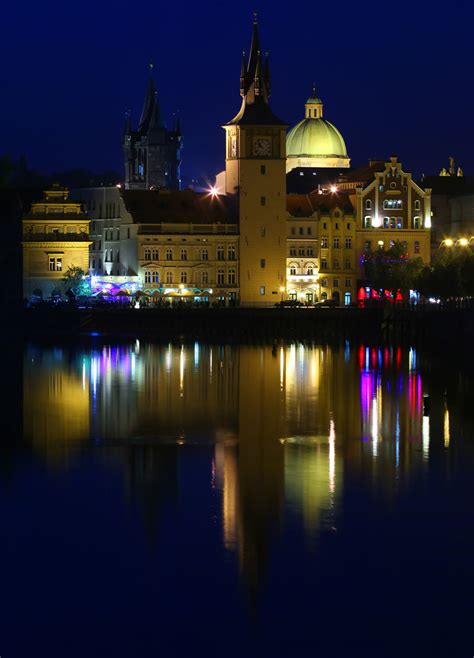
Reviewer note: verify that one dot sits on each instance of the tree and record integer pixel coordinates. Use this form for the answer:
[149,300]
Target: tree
[391,269]
[451,275]
[75,279]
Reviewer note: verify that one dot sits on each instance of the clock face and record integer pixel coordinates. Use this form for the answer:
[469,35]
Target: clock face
[262,146]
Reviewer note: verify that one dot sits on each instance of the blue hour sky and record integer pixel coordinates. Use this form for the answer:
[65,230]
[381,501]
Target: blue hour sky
[396,78]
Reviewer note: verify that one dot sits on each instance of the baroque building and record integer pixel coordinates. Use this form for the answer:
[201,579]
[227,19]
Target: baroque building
[55,238]
[152,153]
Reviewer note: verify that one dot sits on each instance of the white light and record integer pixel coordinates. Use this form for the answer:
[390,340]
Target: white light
[214,191]
[333,189]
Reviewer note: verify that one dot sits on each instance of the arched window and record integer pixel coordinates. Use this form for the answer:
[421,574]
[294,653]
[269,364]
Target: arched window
[347,298]
[310,271]
[416,222]
[292,270]
[231,252]
[184,277]
[367,221]
[220,252]
[368,204]
[169,254]
[417,204]
[220,277]
[156,277]
[154,254]
[231,277]
[147,276]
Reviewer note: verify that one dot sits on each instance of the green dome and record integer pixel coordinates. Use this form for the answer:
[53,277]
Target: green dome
[314,100]
[315,138]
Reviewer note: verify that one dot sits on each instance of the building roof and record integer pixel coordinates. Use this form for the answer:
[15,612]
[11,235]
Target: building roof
[305,205]
[312,138]
[363,174]
[186,206]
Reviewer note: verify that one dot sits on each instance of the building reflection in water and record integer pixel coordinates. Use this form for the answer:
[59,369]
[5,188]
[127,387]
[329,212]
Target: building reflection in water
[284,427]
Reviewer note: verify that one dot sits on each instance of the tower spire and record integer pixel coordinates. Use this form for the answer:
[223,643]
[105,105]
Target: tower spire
[243,74]
[267,75]
[149,102]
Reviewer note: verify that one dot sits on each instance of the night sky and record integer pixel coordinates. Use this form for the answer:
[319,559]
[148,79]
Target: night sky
[396,78]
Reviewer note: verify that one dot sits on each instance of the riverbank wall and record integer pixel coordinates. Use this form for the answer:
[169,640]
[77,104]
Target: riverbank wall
[242,325]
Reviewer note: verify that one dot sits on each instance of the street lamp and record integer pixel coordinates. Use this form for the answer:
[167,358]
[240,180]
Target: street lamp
[448,242]
[463,242]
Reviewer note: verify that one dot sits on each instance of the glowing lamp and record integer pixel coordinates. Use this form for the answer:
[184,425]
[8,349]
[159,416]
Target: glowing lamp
[181,286]
[448,242]
[282,288]
[463,242]
[214,191]
[211,291]
[376,222]
[333,189]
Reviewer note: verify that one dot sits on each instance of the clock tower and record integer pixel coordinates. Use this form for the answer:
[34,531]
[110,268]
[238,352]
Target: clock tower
[256,172]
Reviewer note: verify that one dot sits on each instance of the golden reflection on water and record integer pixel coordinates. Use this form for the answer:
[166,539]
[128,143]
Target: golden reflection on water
[288,425]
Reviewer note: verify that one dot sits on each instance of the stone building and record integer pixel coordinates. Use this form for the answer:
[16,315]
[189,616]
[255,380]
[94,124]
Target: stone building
[55,237]
[152,153]
[186,244]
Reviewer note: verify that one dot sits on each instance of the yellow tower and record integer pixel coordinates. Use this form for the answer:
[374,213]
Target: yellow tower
[255,170]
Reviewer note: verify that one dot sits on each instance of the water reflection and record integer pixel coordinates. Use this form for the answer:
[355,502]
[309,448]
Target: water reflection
[282,430]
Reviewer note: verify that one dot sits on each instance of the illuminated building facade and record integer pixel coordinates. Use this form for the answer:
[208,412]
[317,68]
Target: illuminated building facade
[152,153]
[255,174]
[55,238]
[187,244]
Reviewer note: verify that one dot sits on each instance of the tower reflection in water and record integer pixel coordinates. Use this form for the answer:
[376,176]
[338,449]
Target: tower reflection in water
[283,428]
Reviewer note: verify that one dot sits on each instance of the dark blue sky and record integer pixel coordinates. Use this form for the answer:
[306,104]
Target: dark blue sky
[396,78]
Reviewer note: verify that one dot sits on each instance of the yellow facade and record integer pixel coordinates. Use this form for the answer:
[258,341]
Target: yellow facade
[55,237]
[261,185]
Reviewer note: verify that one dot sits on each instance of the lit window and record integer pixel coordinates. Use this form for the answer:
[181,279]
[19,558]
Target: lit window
[417,204]
[417,246]
[416,222]
[368,204]
[52,264]
[262,290]
[367,221]
[59,264]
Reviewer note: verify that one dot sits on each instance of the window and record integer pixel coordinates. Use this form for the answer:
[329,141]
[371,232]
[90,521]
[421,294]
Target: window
[324,263]
[301,251]
[293,230]
[262,290]
[204,277]
[205,254]
[386,222]
[324,243]
[220,277]
[336,263]
[348,283]
[368,245]
[336,283]
[348,226]
[309,251]
[154,254]
[325,225]
[184,254]
[417,204]
[156,277]
[368,204]
[417,246]
[147,254]
[336,243]
[380,188]
[310,271]
[111,256]
[347,298]
[231,252]
[347,264]
[262,263]
[220,252]
[147,277]
[262,200]
[348,243]
[169,254]
[292,251]
[184,277]
[301,230]
[416,222]
[100,245]
[337,226]
[367,222]
[231,277]
[308,230]
[59,264]
[392,203]
[399,222]
[292,270]
[324,283]
[263,170]
[169,277]
[52,264]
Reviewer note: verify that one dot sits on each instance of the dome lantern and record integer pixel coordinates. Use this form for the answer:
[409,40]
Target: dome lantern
[314,106]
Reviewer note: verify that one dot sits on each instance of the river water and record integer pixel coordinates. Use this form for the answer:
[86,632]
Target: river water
[188,500]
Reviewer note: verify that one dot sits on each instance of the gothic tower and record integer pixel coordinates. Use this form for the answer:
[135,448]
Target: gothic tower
[152,153]
[255,170]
